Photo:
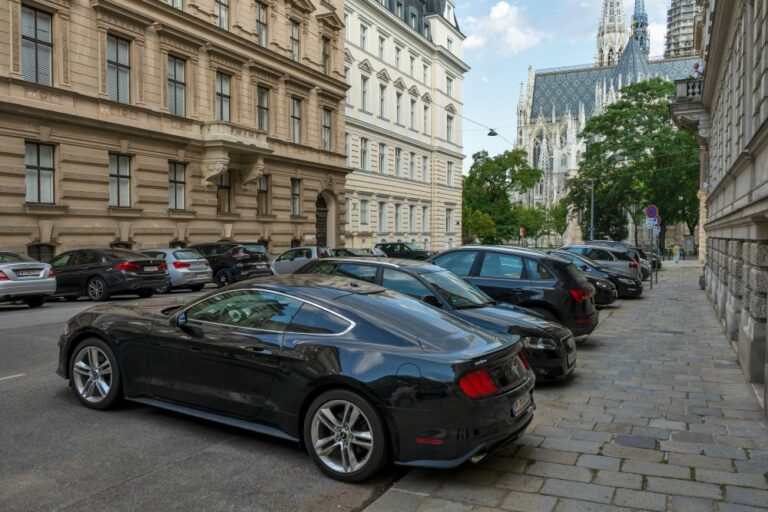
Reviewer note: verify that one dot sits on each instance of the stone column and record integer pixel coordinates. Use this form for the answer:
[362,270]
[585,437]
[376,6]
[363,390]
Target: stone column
[733,303]
[752,353]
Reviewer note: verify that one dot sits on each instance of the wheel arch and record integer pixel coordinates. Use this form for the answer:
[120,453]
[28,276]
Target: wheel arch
[79,337]
[541,305]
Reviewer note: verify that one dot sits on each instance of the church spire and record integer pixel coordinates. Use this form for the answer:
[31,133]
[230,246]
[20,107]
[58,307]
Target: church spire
[612,33]
[640,27]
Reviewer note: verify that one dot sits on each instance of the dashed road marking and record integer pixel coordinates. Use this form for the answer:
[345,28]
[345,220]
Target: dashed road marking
[14,376]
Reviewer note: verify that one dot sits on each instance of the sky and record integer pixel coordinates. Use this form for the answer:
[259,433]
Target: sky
[504,37]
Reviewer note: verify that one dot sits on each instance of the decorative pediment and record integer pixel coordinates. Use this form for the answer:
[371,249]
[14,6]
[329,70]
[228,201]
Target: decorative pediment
[348,56]
[413,91]
[330,20]
[400,84]
[304,6]
[261,75]
[222,57]
[383,75]
[178,39]
[450,108]
[120,17]
[365,65]
[426,98]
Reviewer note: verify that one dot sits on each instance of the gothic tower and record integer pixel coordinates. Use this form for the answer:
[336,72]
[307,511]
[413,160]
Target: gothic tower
[640,27]
[612,33]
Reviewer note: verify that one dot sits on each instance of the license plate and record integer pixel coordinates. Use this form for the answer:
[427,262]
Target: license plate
[27,273]
[202,275]
[152,268]
[571,358]
[521,403]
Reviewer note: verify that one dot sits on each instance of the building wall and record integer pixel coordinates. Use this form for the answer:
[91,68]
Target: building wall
[84,123]
[375,179]
[680,28]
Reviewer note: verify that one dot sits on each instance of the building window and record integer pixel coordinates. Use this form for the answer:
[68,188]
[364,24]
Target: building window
[364,212]
[36,46]
[398,218]
[176,86]
[449,128]
[382,100]
[414,21]
[295,40]
[41,252]
[221,9]
[364,93]
[425,121]
[411,219]
[449,86]
[177,185]
[363,37]
[262,195]
[326,129]
[398,161]
[425,74]
[262,108]
[261,24]
[449,174]
[326,56]
[175,3]
[382,158]
[412,166]
[424,219]
[223,97]
[296,120]
[118,69]
[449,220]
[413,67]
[119,180]
[450,45]
[399,10]
[348,149]
[364,154]
[38,160]
[382,225]
[346,27]
[398,56]
[399,108]
[295,197]
[425,168]
[413,114]
[382,48]
[224,193]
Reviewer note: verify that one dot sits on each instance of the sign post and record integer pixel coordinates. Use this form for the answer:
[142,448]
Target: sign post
[653,223]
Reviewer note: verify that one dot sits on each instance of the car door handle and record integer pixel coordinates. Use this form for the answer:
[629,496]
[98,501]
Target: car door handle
[257,350]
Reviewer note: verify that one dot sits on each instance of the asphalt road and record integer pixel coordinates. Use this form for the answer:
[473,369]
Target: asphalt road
[57,455]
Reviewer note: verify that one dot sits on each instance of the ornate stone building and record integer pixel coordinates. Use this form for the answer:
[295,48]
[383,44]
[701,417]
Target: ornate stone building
[680,33]
[404,109]
[139,123]
[612,33]
[728,109]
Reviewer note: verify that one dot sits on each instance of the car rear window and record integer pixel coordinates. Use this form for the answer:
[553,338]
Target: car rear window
[576,275]
[12,257]
[255,248]
[311,319]
[623,256]
[187,255]
[124,255]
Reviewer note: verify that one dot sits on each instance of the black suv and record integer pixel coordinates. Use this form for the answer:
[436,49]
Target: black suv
[403,251]
[627,286]
[549,347]
[101,273]
[235,261]
[548,285]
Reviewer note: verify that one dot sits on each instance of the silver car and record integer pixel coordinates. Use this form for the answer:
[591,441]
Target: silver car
[25,279]
[292,260]
[187,268]
[613,258]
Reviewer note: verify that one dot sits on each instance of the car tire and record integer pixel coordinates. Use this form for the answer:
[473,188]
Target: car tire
[71,298]
[94,374]
[35,302]
[331,441]
[146,293]
[165,289]
[197,287]
[547,314]
[223,277]
[96,288]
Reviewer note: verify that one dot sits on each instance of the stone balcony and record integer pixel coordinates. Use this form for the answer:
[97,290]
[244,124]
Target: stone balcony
[688,111]
[225,133]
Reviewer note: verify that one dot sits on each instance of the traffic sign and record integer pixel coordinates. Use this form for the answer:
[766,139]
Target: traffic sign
[652,211]
[656,230]
[651,222]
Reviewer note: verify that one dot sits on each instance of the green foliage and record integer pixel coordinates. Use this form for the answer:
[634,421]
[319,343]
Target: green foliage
[558,217]
[477,225]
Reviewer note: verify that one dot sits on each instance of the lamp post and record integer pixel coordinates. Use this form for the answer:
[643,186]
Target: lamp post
[592,211]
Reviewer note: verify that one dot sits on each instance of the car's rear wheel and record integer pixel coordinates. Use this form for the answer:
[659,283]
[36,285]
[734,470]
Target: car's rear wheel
[223,277]
[97,289]
[71,298]
[34,302]
[345,436]
[197,287]
[146,293]
[94,374]
[166,288]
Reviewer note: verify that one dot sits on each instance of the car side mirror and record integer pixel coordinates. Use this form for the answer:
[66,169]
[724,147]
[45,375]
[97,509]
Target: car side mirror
[584,268]
[179,319]
[432,301]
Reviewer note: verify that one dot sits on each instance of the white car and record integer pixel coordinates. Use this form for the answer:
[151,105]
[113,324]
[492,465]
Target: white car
[25,279]
[292,260]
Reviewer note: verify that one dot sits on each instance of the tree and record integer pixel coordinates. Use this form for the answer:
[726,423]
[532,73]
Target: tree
[477,225]
[637,156]
[558,215]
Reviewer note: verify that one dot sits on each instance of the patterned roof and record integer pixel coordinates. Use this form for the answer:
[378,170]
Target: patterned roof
[633,65]
[568,88]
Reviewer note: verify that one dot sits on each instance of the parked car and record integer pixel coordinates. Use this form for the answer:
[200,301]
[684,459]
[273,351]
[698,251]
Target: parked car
[102,273]
[232,261]
[605,290]
[359,253]
[550,286]
[652,261]
[404,251]
[294,259]
[615,258]
[627,286]
[362,375]
[186,269]
[549,347]
[25,279]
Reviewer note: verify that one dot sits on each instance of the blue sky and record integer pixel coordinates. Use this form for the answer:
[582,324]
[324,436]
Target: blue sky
[504,37]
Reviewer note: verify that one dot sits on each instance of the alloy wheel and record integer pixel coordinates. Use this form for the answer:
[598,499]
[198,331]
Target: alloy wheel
[342,436]
[92,374]
[95,289]
[222,278]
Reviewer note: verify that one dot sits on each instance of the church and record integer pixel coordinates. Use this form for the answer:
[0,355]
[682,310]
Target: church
[555,104]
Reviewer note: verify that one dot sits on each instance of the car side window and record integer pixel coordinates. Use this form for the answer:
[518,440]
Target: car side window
[460,262]
[575,250]
[599,254]
[322,269]
[538,271]
[362,272]
[86,258]
[156,255]
[251,309]
[304,253]
[313,320]
[286,256]
[506,266]
[61,260]
[404,283]
[622,256]
[205,250]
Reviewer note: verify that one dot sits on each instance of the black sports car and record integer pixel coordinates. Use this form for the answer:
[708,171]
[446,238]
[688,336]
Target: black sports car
[357,373]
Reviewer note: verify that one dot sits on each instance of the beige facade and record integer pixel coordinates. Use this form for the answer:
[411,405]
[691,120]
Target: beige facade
[141,123]
[404,146]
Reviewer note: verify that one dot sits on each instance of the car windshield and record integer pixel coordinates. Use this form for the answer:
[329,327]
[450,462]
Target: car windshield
[457,291]
[255,248]
[187,255]
[12,257]
[124,255]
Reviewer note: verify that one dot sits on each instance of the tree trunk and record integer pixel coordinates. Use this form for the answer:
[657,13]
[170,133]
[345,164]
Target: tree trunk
[662,238]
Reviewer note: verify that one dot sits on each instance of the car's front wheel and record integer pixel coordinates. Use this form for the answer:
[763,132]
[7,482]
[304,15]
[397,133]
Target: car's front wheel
[146,293]
[223,277]
[94,374]
[97,289]
[345,436]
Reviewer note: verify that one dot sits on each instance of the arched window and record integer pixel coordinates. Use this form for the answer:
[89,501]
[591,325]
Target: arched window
[610,57]
[41,252]
[563,161]
[537,143]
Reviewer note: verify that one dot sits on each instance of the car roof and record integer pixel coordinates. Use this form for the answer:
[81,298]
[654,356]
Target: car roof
[520,251]
[416,266]
[311,286]
[603,247]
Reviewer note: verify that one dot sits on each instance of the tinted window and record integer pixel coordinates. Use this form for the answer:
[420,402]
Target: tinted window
[538,271]
[155,254]
[456,290]
[61,260]
[576,275]
[286,255]
[622,256]
[599,254]
[12,257]
[323,269]
[404,283]
[87,258]
[362,272]
[206,250]
[187,255]
[255,248]
[311,319]
[575,250]
[460,262]
[304,253]
[247,308]
[501,265]
[124,255]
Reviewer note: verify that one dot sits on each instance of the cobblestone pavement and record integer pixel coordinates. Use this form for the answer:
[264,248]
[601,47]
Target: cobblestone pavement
[657,418]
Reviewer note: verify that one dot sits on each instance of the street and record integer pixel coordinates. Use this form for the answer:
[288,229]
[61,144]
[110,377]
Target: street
[57,455]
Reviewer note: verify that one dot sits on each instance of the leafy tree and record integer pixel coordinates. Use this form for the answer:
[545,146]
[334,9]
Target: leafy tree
[558,217]
[477,225]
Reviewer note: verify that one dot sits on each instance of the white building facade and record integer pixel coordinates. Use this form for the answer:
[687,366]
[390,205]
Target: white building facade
[403,140]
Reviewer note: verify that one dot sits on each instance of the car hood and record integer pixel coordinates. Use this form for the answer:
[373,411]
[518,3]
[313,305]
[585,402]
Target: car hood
[502,319]
[152,306]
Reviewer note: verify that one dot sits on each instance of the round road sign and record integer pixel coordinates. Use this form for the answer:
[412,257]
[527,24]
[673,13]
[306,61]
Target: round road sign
[652,211]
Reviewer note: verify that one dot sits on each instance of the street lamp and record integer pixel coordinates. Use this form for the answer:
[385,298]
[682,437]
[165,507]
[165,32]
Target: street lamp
[592,211]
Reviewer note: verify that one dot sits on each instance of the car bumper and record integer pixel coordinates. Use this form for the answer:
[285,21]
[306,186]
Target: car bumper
[191,278]
[630,291]
[605,297]
[128,283]
[10,290]
[583,325]
[243,274]
[552,365]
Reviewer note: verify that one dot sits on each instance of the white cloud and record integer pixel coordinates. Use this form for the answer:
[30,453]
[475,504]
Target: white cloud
[505,28]
[658,34]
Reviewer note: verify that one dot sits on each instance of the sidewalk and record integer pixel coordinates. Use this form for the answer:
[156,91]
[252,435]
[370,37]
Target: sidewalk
[657,418]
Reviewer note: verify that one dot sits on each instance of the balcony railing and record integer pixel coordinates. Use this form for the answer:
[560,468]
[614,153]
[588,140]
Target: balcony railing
[689,90]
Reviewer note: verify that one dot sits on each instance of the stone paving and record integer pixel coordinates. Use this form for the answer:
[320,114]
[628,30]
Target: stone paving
[657,418]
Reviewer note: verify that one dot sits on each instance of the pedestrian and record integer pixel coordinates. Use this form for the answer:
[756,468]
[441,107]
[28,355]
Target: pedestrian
[676,253]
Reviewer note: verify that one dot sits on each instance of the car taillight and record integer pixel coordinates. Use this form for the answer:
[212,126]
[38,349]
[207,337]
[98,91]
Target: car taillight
[478,384]
[3,277]
[163,266]
[181,264]
[205,262]
[633,264]
[50,273]
[581,295]
[523,360]
[128,266]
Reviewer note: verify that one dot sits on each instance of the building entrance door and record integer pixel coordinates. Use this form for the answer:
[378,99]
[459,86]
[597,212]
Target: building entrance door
[321,223]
